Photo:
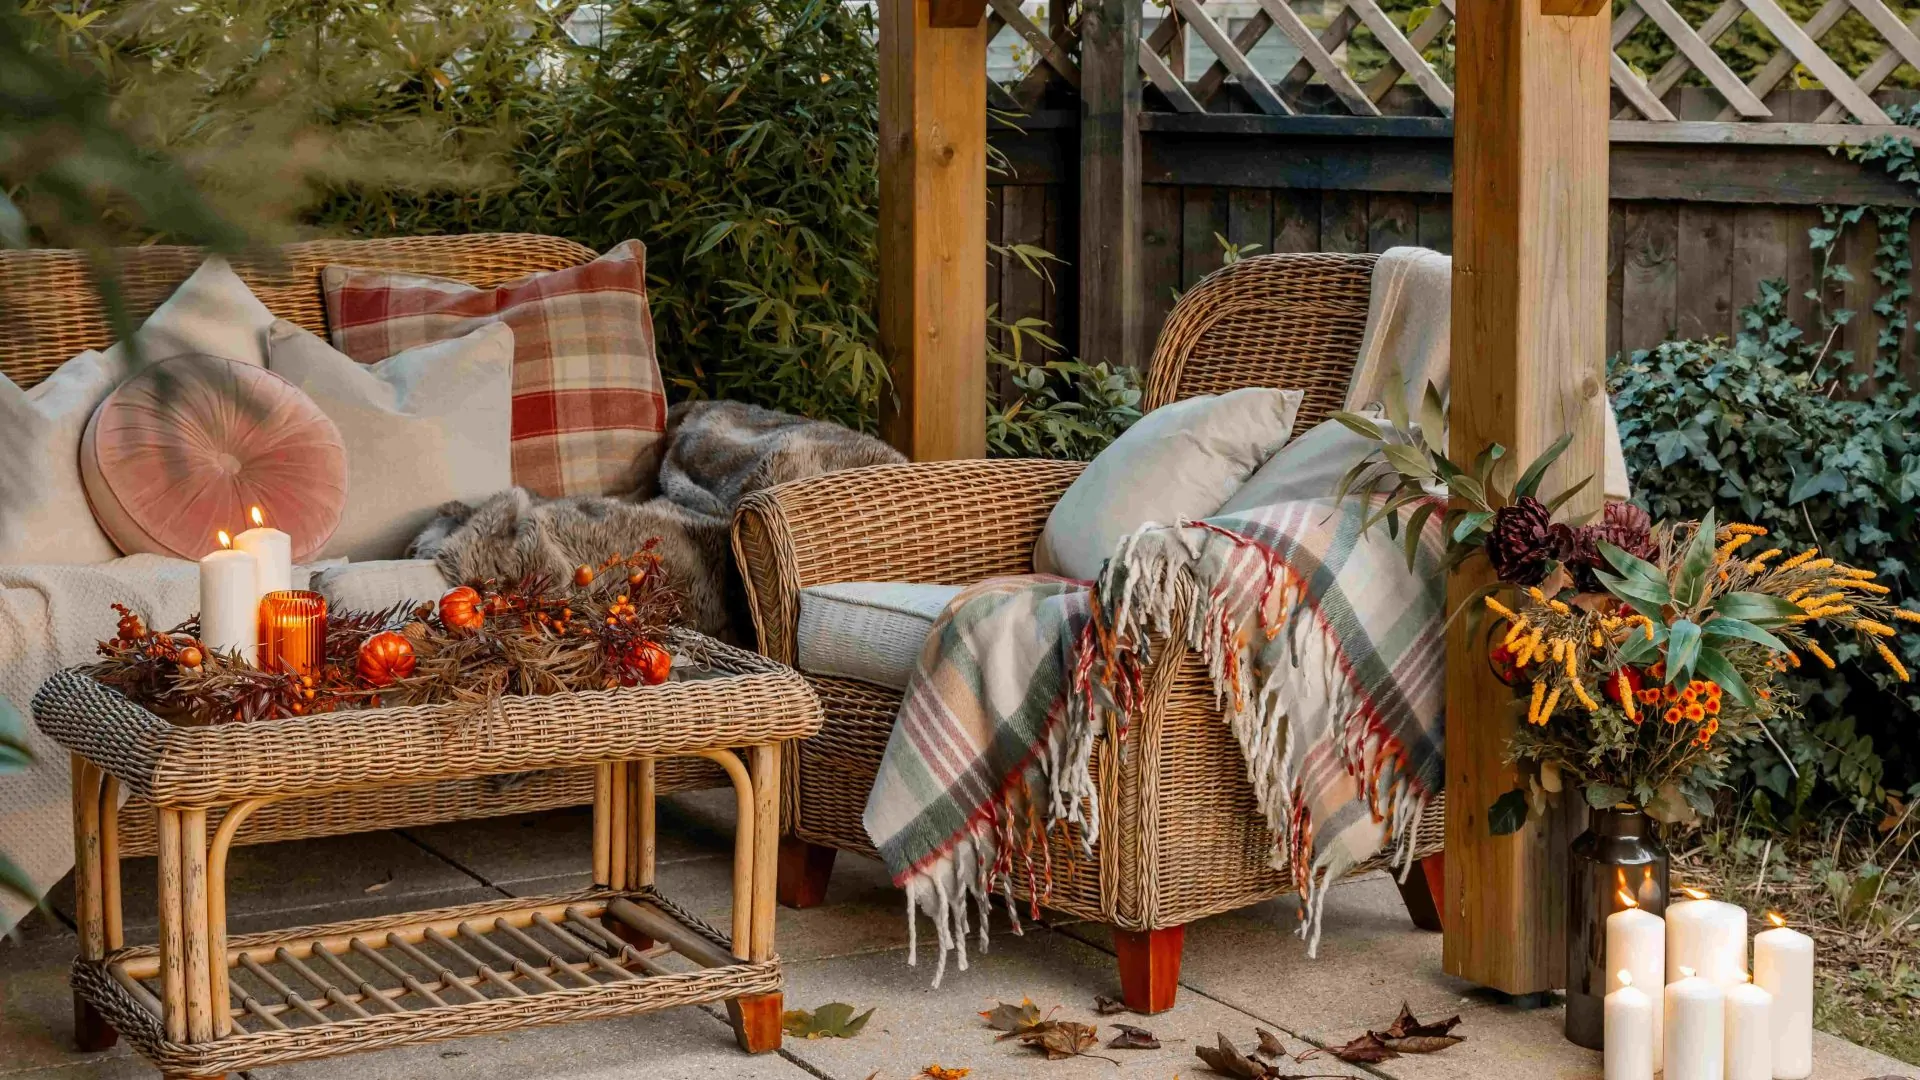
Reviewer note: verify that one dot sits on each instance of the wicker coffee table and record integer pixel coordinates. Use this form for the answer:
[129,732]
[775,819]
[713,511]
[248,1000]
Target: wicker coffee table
[199,1005]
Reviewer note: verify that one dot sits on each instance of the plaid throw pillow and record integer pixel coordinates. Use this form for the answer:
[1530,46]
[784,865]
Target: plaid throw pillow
[588,402]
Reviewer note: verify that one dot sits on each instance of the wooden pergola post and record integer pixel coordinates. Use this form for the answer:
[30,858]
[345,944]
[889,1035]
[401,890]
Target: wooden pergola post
[1529,338]
[933,226]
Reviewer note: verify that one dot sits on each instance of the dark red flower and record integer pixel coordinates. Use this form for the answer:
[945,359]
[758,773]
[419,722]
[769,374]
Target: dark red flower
[1522,546]
[1623,525]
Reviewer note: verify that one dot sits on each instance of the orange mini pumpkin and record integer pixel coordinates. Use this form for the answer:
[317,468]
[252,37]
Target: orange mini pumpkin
[648,664]
[384,657]
[461,609]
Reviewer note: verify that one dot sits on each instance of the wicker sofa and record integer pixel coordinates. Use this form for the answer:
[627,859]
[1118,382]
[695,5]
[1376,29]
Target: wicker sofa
[1182,837]
[51,312]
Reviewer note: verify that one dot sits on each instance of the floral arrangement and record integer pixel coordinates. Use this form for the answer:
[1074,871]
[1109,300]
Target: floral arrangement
[1642,653]
[603,629]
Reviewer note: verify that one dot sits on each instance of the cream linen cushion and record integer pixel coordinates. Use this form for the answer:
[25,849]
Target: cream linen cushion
[44,516]
[868,630]
[425,427]
[1180,461]
[1309,467]
[379,585]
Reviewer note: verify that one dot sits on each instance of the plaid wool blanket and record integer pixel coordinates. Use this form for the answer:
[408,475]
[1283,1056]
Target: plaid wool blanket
[1326,653]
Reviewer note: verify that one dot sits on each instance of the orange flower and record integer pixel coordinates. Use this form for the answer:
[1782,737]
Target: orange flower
[1691,694]
[1695,712]
[1658,670]
[1672,694]
[1672,715]
[1713,705]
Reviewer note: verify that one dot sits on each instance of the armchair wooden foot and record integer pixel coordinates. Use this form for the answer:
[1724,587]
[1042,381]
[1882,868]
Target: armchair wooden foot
[1423,891]
[756,1022]
[1149,967]
[804,870]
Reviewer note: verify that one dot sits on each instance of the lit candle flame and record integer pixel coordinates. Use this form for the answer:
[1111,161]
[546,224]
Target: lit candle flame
[1776,918]
[1686,973]
[258,517]
[1627,900]
[1626,977]
[1697,894]
[225,540]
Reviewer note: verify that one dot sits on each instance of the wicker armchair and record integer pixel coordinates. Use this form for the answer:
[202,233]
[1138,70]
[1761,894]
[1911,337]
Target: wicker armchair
[1182,836]
[50,311]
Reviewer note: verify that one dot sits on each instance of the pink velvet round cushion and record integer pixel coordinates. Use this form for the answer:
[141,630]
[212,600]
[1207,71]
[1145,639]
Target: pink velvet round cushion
[186,447]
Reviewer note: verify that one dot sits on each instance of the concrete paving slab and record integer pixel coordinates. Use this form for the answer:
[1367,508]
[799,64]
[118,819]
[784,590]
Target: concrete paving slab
[555,843]
[1371,961]
[680,1044]
[915,1025]
[36,1007]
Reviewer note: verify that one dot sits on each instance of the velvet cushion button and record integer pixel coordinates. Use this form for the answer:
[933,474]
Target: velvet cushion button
[184,448]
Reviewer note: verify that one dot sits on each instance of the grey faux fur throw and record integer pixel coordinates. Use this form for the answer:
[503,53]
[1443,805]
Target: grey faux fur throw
[716,452]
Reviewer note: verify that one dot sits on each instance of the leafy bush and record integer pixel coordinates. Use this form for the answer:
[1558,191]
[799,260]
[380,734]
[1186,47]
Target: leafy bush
[1769,428]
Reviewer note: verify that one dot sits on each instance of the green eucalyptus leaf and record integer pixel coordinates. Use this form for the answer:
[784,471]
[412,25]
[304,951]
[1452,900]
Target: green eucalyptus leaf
[1690,582]
[1632,567]
[1760,609]
[1507,814]
[1683,651]
[1411,461]
[1359,425]
[1415,526]
[1712,665]
[1433,417]
[1560,500]
[1727,627]
[1471,523]
[1530,480]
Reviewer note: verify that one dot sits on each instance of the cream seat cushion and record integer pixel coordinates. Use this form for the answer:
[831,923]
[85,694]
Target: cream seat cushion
[44,516]
[1179,462]
[868,630]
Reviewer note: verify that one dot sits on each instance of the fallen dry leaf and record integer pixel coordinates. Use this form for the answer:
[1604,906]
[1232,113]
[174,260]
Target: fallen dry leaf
[1132,1038]
[834,1020]
[936,1072]
[1365,1050]
[1270,1044]
[1406,1025]
[1012,1019]
[1421,1044]
[379,886]
[1227,1060]
[1059,1039]
[1106,1006]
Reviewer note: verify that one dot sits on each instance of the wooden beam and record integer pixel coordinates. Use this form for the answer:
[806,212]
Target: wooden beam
[1529,335]
[1110,183]
[955,14]
[933,232]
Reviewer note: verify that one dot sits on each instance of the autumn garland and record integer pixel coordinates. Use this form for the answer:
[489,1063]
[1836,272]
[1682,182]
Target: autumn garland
[603,629]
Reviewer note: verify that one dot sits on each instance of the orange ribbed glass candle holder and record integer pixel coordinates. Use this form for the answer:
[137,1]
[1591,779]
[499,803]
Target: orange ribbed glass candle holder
[293,632]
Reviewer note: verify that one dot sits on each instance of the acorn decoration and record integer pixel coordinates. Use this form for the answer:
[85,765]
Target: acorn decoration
[384,658]
[462,609]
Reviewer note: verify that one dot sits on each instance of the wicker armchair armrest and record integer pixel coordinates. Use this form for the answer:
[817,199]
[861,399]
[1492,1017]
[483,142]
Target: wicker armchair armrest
[933,522]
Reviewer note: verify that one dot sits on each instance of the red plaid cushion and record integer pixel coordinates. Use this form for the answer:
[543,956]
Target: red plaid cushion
[588,402]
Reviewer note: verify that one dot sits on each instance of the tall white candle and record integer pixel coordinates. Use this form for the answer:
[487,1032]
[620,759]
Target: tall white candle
[1749,1040]
[229,600]
[1696,1027]
[273,552]
[1630,1022]
[1708,936]
[1783,967]
[1637,955]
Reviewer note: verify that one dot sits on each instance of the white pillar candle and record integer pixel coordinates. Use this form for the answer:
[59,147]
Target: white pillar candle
[1630,1020]
[1749,1051]
[229,600]
[1696,1027]
[1783,967]
[273,552]
[1637,955]
[1708,936]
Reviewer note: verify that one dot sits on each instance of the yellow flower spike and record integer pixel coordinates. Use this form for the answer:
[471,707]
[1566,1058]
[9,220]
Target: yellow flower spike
[1793,659]
[1759,561]
[1538,596]
[1727,549]
[1647,625]
[1599,639]
[1899,669]
[1499,608]
[1868,586]
[1877,629]
[1533,707]
[1740,528]
[1820,654]
[1817,564]
[1626,697]
[1906,615]
[1559,649]
[1794,596]
[1855,571]
[1581,693]
[1532,647]
[1514,632]
[1799,560]
[1823,601]
[1559,608]
[1829,611]
[1552,703]
[1573,666]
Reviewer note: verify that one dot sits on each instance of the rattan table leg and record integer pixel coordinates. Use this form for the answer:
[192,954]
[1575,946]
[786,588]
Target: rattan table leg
[91,1032]
[640,865]
[756,1019]
[173,963]
[626,819]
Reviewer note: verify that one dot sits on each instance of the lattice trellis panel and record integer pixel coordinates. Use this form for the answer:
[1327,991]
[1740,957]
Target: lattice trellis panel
[1325,60]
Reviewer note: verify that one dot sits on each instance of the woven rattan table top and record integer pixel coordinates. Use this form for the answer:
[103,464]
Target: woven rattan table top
[733,699]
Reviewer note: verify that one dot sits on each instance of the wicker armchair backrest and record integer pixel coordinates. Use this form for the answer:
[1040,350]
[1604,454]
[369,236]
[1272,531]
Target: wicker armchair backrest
[1287,321]
[50,311]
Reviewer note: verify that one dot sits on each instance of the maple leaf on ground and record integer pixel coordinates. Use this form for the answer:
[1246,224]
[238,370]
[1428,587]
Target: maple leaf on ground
[1106,1006]
[1060,1039]
[936,1072]
[1132,1038]
[1227,1060]
[834,1020]
[1012,1019]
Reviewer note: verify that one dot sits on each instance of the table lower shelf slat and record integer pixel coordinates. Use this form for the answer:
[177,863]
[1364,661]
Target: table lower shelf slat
[418,977]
